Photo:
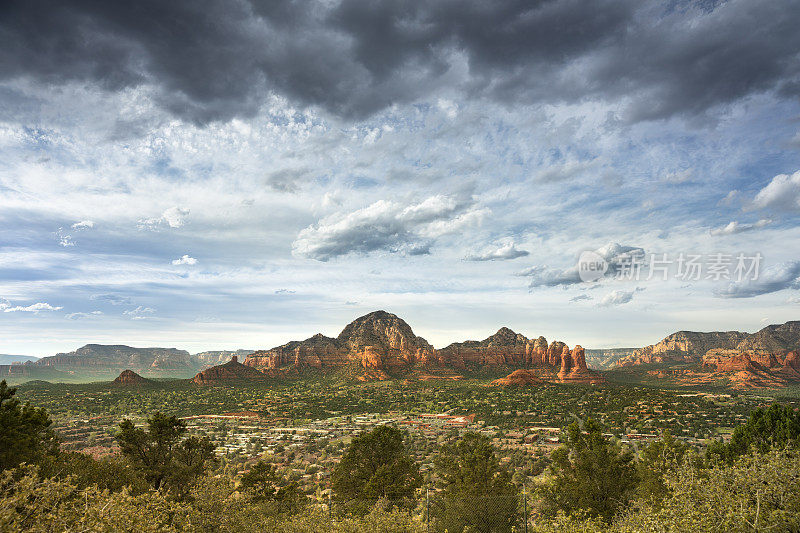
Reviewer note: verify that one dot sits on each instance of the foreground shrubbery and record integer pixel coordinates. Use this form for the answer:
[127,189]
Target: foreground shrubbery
[164,482]
[756,493]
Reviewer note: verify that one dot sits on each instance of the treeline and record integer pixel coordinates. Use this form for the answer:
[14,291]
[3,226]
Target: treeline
[166,480]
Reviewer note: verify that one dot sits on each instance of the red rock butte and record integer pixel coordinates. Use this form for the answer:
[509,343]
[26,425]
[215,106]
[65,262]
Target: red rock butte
[231,371]
[381,342]
[129,377]
[518,378]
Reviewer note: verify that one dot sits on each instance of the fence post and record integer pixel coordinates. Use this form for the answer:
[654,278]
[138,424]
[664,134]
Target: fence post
[427,509]
[525,508]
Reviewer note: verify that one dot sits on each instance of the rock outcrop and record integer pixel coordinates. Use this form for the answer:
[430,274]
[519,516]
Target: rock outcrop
[217,357]
[503,348]
[231,372]
[130,378]
[684,346]
[692,346]
[747,360]
[748,368]
[377,341]
[518,378]
[574,369]
[380,343]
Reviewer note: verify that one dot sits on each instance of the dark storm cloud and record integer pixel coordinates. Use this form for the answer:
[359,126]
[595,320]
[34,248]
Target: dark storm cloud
[212,59]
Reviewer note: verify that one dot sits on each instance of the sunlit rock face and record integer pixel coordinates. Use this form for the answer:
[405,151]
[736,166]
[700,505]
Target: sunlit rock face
[692,346]
[376,341]
[518,378]
[381,342]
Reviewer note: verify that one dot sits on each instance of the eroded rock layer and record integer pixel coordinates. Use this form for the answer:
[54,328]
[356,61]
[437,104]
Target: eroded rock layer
[380,342]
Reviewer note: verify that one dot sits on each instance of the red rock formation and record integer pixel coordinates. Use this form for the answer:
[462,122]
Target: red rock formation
[129,377]
[231,371]
[518,378]
[376,340]
[503,348]
[574,369]
[537,352]
[554,352]
[381,342]
[747,369]
[691,346]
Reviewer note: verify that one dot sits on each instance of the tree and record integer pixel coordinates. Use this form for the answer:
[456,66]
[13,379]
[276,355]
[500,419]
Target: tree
[476,493]
[776,427]
[263,484]
[25,433]
[376,466]
[590,474]
[659,459]
[162,454]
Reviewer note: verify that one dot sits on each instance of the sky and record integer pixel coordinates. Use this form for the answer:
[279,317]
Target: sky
[238,174]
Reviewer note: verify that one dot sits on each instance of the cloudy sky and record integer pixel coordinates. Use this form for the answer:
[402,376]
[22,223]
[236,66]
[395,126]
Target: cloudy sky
[236,174]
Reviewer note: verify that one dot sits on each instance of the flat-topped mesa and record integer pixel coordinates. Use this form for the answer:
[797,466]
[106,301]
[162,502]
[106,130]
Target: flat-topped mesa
[684,346]
[101,356]
[232,371]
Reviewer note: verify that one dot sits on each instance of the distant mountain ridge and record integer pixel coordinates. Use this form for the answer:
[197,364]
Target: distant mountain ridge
[7,359]
[691,346]
[217,357]
[766,358]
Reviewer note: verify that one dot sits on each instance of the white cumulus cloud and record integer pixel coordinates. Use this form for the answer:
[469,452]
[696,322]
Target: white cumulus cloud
[505,252]
[174,217]
[184,260]
[83,224]
[783,192]
[387,226]
[33,308]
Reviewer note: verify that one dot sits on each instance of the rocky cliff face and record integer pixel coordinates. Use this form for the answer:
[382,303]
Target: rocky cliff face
[573,367]
[104,357]
[380,342]
[750,368]
[503,348]
[231,372]
[387,337]
[376,341]
[747,360]
[683,346]
[773,338]
[691,346]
